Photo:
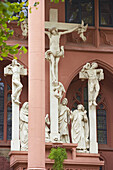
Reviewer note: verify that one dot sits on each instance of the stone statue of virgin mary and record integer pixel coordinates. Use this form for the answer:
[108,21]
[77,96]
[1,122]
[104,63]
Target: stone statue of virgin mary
[24,127]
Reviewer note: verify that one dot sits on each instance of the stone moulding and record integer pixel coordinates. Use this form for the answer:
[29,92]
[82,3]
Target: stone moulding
[18,159]
[75,161]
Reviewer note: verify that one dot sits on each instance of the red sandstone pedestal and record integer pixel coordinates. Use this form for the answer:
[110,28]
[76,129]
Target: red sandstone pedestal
[18,160]
[75,161]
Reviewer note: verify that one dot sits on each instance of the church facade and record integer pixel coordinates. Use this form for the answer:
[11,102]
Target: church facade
[66,69]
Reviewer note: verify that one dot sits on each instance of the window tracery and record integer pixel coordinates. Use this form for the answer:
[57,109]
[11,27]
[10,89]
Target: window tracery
[77,10]
[106,13]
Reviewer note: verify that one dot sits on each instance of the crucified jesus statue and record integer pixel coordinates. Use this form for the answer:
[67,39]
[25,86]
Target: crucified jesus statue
[55,52]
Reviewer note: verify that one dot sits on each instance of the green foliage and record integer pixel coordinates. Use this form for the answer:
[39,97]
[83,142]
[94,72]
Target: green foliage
[58,155]
[34,5]
[9,12]
[12,12]
[56,1]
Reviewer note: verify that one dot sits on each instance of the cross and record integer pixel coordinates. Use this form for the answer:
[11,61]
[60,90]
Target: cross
[53,55]
[94,75]
[15,69]
[53,22]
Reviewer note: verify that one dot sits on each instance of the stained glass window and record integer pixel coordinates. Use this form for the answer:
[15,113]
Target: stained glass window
[106,12]
[86,97]
[9,114]
[101,125]
[101,168]
[1,109]
[5,110]
[77,10]
[9,123]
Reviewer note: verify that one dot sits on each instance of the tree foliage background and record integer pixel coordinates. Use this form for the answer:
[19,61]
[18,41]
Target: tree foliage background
[9,12]
[12,12]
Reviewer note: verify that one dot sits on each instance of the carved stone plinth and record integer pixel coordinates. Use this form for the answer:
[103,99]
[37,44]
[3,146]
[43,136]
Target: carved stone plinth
[76,161]
[18,160]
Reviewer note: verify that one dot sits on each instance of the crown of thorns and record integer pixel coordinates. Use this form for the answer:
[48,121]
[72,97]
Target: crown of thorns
[51,29]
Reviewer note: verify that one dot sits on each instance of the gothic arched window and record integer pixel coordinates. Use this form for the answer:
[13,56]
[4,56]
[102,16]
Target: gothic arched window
[78,94]
[77,10]
[106,13]
[86,10]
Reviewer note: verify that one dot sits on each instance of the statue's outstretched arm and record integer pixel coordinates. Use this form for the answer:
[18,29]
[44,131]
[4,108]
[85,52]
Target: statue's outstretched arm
[69,31]
[48,33]
[9,66]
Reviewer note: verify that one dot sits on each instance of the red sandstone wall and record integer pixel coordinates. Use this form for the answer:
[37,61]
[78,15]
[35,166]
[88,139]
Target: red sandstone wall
[76,55]
[4,164]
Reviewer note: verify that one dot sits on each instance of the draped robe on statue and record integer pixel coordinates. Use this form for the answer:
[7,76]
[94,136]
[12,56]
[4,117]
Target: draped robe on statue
[63,120]
[24,127]
[80,129]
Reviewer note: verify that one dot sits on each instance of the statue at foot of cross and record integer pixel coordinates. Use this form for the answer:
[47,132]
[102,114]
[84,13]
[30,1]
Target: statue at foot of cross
[63,121]
[23,127]
[80,128]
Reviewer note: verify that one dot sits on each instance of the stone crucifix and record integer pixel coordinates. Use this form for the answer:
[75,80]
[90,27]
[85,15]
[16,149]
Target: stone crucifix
[15,69]
[94,75]
[53,55]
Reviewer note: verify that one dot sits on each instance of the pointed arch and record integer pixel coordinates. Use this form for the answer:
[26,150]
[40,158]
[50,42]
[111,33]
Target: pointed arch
[77,93]
[101,63]
[5,105]
[20,60]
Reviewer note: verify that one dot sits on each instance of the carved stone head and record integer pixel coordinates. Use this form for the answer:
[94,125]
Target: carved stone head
[64,101]
[80,107]
[15,63]
[94,65]
[53,31]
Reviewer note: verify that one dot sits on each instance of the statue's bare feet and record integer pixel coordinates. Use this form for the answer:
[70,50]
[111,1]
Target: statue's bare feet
[13,97]
[54,79]
[54,82]
[94,102]
[56,94]
[16,101]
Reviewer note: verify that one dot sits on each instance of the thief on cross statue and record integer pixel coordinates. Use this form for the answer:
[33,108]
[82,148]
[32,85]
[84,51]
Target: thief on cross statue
[93,75]
[15,67]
